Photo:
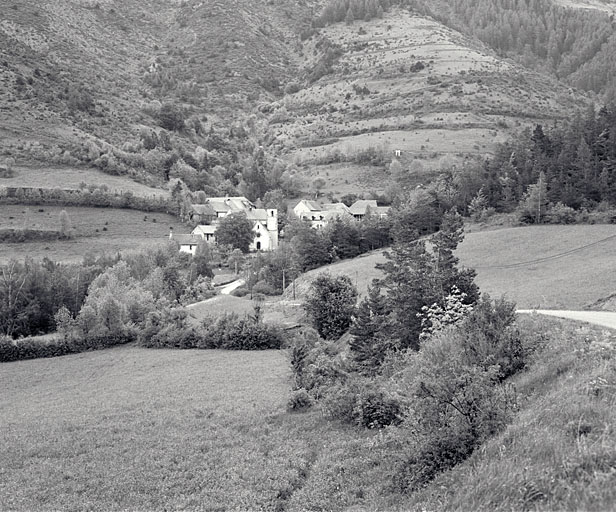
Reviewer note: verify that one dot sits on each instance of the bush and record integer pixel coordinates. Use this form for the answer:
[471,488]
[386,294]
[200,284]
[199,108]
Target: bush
[300,400]
[365,403]
[489,336]
[34,348]
[561,214]
[232,332]
[264,288]
[242,291]
[458,398]
[317,365]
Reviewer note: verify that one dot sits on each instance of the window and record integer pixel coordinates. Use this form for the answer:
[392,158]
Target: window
[258,246]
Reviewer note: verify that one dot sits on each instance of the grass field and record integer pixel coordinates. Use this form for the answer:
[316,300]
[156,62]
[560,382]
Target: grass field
[140,429]
[96,230]
[137,429]
[72,178]
[550,267]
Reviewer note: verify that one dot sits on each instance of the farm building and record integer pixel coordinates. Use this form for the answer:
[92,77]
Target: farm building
[320,215]
[264,222]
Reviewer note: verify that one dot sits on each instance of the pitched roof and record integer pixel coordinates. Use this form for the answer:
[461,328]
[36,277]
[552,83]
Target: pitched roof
[360,207]
[337,207]
[204,209]
[204,229]
[187,239]
[311,205]
[234,204]
[257,214]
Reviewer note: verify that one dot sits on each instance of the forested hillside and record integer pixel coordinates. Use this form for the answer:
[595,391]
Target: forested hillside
[576,45]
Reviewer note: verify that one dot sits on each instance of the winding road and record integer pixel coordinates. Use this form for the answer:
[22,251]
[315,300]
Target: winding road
[603,318]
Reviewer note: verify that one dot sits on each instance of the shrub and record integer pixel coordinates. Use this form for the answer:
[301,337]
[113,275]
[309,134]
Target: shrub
[242,291]
[264,288]
[560,214]
[330,304]
[458,400]
[317,365]
[232,332]
[489,336]
[300,400]
[366,403]
[34,348]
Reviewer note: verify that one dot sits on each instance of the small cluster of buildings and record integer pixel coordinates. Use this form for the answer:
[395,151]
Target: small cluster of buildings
[319,215]
[264,221]
[207,216]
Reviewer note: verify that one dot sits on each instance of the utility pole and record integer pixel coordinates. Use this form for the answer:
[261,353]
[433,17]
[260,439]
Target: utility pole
[539,201]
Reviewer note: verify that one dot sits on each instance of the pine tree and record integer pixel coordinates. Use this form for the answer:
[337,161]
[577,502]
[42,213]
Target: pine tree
[372,331]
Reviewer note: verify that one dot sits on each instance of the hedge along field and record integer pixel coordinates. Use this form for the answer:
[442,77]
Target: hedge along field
[96,230]
[139,429]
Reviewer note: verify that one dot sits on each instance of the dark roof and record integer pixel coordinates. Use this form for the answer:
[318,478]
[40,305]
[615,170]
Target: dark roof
[360,207]
[187,239]
[204,209]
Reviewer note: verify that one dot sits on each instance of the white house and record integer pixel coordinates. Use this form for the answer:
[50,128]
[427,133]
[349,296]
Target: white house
[187,243]
[320,215]
[264,221]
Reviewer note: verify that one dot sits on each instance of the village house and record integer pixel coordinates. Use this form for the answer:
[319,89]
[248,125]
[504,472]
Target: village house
[320,215]
[362,207]
[207,215]
[187,243]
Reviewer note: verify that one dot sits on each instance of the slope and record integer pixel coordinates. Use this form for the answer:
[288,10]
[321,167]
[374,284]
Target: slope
[78,77]
[408,84]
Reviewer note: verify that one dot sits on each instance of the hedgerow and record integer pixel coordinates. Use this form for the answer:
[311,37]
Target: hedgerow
[35,347]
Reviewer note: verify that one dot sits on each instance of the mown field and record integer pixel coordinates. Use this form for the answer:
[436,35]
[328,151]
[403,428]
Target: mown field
[72,178]
[140,429]
[137,429]
[550,267]
[96,231]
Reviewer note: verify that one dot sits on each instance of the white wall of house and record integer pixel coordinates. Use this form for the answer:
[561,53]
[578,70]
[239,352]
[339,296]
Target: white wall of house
[189,248]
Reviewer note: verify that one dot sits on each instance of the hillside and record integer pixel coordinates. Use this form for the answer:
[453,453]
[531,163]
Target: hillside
[406,83]
[132,87]
[132,428]
[81,79]
[550,267]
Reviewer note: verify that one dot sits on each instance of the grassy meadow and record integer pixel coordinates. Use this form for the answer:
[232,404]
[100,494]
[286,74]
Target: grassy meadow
[71,178]
[160,429]
[144,429]
[95,230]
[550,267]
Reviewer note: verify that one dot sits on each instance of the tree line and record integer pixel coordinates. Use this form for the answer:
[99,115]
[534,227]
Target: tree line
[576,45]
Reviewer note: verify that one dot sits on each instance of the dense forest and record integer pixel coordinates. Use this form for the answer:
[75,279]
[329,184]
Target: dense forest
[577,45]
[574,165]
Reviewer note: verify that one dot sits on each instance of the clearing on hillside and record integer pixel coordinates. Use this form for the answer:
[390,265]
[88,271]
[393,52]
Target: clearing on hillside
[96,231]
[73,178]
[549,267]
